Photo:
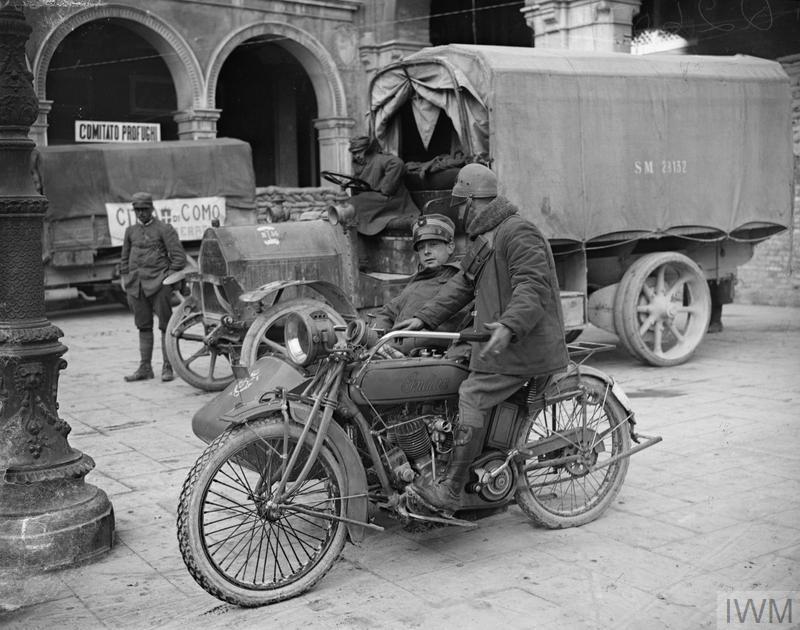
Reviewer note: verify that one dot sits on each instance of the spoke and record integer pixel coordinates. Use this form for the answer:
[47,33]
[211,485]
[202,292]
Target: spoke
[646,325]
[673,329]
[239,516]
[242,479]
[644,308]
[648,291]
[679,283]
[274,346]
[241,545]
[658,339]
[212,362]
[301,517]
[200,353]
[190,337]
[234,488]
[692,310]
[660,280]
[287,528]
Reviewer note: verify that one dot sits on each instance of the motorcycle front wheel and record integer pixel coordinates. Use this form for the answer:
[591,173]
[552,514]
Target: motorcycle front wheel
[241,543]
[555,494]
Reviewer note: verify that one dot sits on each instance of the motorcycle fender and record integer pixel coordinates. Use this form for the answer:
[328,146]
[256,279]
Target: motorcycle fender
[616,389]
[356,508]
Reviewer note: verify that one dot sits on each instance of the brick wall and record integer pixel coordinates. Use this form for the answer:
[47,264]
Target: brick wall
[773,274]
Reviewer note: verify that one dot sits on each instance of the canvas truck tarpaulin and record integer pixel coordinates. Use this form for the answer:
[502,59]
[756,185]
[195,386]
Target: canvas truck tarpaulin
[601,145]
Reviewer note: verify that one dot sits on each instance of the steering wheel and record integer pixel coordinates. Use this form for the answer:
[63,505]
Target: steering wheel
[347,181]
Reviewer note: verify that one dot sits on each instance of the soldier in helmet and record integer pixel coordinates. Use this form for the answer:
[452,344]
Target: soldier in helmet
[510,272]
[151,250]
[433,236]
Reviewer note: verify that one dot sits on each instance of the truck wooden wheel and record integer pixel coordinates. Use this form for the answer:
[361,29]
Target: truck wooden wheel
[202,363]
[661,308]
[265,334]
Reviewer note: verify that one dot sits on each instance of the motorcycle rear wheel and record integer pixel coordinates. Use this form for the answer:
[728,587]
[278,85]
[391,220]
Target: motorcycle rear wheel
[573,494]
[237,547]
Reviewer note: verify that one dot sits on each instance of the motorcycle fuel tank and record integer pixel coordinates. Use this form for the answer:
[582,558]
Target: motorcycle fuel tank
[391,382]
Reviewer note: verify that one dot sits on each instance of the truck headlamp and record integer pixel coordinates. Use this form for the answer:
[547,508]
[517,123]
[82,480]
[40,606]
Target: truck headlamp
[308,336]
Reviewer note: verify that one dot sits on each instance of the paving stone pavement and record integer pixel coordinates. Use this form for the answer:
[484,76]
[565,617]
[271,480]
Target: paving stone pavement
[714,508]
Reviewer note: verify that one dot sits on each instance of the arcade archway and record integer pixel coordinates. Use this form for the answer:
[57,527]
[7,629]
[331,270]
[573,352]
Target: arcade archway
[268,100]
[107,70]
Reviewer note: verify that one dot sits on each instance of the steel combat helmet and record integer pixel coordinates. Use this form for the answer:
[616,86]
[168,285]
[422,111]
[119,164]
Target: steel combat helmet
[475,181]
[433,227]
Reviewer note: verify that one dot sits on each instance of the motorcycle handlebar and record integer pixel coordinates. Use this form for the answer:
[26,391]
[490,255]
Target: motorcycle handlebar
[427,334]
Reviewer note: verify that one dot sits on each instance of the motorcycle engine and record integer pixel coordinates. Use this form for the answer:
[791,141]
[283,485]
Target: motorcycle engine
[419,439]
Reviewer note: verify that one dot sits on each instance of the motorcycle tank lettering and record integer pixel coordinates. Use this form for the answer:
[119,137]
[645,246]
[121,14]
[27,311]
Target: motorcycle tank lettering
[396,381]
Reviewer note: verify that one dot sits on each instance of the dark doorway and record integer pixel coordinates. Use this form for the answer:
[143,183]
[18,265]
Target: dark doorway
[104,71]
[488,22]
[267,99]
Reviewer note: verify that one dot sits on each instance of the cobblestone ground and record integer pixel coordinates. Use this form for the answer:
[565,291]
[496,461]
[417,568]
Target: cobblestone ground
[714,508]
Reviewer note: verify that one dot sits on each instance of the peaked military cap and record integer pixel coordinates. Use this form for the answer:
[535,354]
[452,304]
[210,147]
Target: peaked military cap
[433,227]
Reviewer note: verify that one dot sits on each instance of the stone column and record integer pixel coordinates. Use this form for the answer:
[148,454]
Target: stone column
[49,518]
[334,138]
[38,132]
[596,25]
[197,124]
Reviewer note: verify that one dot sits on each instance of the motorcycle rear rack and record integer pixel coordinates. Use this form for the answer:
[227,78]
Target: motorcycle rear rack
[585,349]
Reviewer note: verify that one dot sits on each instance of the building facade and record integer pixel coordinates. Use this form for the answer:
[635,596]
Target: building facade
[291,77]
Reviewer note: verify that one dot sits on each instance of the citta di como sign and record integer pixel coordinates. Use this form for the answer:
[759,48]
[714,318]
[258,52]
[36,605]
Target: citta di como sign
[189,217]
[101,131]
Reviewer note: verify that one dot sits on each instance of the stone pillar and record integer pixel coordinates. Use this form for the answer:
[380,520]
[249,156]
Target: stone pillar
[197,124]
[286,133]
[49,518]
[334,138]
[596,25]
[38,132]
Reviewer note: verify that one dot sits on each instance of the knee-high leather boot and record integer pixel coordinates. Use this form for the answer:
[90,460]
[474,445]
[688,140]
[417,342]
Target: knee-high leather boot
[445,493]
[145,369]
[166,368]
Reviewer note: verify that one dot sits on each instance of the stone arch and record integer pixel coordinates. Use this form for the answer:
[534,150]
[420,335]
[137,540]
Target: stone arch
[312,55]
[178,56]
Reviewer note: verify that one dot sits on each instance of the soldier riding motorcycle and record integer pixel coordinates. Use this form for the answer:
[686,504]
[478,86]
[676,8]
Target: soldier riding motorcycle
[304,449]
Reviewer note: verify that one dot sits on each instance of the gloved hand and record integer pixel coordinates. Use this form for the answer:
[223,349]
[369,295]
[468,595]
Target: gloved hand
[501,337]
[413,323]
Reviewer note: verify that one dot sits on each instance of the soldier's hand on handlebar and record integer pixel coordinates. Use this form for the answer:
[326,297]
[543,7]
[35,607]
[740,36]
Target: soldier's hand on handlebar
[501,337]
[413,323]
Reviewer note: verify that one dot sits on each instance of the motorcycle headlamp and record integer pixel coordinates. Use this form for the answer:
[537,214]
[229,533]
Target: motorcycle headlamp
[308,336]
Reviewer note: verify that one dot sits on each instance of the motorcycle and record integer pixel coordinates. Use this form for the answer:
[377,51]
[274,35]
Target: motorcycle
[304,449]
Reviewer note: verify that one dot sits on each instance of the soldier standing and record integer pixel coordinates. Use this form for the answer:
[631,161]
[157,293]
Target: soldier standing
[151,250]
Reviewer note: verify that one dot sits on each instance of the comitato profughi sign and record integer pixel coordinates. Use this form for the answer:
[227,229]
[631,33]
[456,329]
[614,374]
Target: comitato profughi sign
[104,131]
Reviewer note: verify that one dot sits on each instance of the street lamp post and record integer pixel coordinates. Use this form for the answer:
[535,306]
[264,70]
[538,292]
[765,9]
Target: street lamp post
[49,517]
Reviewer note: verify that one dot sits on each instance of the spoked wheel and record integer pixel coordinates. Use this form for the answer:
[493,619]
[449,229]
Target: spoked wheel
[202,364]
[661,308]
[239,541]
[265,334]
[577,492]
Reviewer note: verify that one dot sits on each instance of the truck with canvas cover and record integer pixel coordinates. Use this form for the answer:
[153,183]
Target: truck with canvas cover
[650,175]
[89,188]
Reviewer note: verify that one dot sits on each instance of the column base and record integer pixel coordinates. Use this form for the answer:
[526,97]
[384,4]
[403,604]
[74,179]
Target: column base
[53,525]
